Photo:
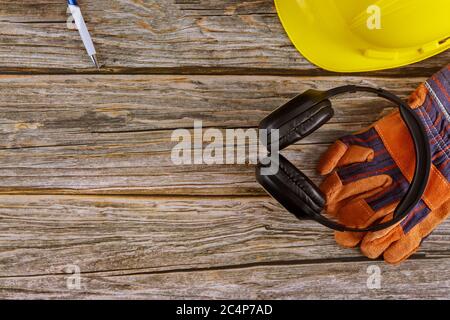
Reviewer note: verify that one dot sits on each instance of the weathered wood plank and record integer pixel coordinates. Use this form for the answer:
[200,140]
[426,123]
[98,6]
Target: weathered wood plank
[112,134]
[131,169]
[138,103]
[141,247]
[157,36]
[415,280]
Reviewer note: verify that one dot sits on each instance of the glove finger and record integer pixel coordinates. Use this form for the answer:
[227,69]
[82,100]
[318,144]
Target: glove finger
[369,208]
[392,242]
[333,207]
[348,239]
[402,249]
[400,241]
[358,214]
[340,154]
[411,240]
[337,193]
[375,243]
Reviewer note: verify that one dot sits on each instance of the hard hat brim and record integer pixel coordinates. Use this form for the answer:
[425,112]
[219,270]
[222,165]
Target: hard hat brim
[333,48]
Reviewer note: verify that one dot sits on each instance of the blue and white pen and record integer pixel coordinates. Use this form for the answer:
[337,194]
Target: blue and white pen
[83,30]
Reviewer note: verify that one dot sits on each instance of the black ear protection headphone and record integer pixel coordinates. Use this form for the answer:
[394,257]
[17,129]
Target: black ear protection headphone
[305,114]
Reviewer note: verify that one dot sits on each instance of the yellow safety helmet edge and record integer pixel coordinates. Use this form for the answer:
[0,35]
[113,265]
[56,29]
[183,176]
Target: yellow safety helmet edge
[336,36]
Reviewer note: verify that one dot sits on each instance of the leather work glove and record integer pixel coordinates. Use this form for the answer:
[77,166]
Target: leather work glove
[370,172]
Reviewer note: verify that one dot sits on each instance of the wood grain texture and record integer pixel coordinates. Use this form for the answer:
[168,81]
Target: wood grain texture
[86,174]
[157,36]
[112,134]
[338,280]
[145,247]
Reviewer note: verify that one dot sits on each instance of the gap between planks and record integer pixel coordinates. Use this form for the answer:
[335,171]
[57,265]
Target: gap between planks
[224,71]
[141,271]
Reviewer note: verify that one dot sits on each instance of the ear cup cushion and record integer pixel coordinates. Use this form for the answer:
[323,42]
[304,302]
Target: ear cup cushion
[293,189]
[305,123]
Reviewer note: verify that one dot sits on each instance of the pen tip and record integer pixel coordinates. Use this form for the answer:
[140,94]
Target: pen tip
[95,61]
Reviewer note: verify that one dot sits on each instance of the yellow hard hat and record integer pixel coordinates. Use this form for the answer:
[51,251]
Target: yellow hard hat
[366,35]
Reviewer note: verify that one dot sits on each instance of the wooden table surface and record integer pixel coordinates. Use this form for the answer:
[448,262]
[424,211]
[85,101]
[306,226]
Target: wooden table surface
[86,174]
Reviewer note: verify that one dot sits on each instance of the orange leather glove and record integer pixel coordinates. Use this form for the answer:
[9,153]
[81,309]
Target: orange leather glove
[370,172]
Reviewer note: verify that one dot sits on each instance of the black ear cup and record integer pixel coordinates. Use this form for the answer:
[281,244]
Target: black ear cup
[295,191]
[305,123]
[299,117]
